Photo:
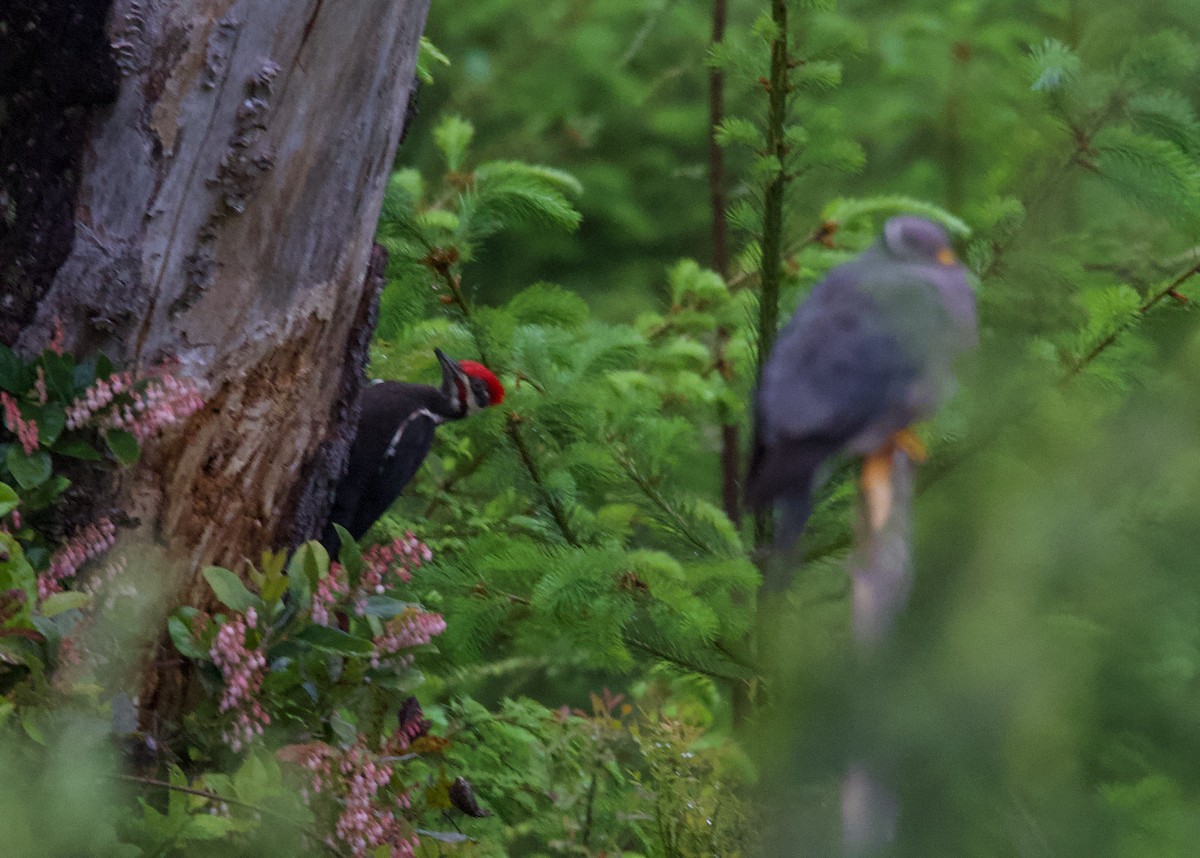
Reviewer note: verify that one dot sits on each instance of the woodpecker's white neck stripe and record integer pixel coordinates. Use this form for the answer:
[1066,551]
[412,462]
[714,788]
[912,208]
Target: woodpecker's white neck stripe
[395,442]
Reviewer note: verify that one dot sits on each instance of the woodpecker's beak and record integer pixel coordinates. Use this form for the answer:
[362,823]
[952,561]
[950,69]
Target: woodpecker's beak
[450,368]
[453,383]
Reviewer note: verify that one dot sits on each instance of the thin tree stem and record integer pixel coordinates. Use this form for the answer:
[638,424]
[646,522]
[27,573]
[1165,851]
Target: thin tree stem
[730,440]
[772,230]
[716,156]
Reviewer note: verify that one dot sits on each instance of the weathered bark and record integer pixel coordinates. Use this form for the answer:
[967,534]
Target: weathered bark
[223,223]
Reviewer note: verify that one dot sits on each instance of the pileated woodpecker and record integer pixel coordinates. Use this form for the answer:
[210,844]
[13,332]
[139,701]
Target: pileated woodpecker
[395,432]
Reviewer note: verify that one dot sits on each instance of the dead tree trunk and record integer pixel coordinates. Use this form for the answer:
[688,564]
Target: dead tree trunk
[220,214]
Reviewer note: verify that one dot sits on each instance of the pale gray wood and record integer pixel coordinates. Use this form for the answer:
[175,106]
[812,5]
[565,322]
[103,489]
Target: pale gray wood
[224,222]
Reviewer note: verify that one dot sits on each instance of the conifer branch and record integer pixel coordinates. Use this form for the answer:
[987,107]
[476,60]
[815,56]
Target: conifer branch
[221,799]
[471,465]
[672,516]
[1171,290]
[512,428]
[938,469]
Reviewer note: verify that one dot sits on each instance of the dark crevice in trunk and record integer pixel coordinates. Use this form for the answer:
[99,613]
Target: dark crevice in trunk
[313,495]
[56,71]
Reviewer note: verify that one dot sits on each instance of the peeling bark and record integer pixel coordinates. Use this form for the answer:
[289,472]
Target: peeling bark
[222,223]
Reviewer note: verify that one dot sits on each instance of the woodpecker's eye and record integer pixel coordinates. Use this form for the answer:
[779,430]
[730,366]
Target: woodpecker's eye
[479,390]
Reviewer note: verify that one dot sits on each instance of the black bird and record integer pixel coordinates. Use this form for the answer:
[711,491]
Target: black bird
[394,434]
[868,354]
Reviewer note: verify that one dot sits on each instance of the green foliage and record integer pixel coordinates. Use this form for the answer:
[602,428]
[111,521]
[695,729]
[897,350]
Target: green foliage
[1058,143]
[582,489]
[1039,696]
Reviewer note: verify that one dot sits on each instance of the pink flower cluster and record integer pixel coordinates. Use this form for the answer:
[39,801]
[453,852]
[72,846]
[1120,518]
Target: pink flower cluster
[401,555]
[39,386]
[107,586]
[329,592]
[91,541]
[58,339]
[98,397]
[382,566]
[413,627]
[14,519]
[371,815]
[244,670]
[25,430]
[145,406]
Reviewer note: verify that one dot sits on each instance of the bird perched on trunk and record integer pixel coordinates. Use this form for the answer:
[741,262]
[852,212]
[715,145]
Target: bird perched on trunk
[868,354]
[394,434]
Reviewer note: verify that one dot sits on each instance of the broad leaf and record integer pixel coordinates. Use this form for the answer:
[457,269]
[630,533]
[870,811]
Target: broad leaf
[230,589]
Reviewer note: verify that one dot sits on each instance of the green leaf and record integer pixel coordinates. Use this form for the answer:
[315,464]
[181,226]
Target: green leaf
[51,420]
[77,448]
[1053,65]
[230,590]
[8,499]
[29,470]
[311,562]
[59,603]
[180,630]
[452,136]
[385,606]
[123,445]
[15,376]
[334,640]
[273,589]
[60,374]
[349,554]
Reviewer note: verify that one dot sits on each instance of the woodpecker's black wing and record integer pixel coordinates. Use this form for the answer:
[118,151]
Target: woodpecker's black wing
[395,433]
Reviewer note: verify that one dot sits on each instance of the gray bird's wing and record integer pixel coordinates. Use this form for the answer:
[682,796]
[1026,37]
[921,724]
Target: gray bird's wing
[849,357]
[845,374]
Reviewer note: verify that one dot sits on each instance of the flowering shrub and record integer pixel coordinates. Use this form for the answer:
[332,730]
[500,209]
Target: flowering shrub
[91,541]
[323,650]
[58,416]
[357,788]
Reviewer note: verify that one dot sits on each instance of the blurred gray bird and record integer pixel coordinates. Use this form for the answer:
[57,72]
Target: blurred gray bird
[868,354]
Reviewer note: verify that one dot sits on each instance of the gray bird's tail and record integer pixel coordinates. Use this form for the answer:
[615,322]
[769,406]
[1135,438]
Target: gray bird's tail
[784,475]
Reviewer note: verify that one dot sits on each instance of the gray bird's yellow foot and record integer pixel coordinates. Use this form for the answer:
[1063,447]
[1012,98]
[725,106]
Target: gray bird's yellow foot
[876,480]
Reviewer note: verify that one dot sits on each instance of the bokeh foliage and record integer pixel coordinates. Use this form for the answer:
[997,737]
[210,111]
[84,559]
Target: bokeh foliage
[1040,696]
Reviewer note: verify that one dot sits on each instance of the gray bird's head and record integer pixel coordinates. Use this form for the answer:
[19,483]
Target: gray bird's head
[909,238]
[919,242]
[469,386]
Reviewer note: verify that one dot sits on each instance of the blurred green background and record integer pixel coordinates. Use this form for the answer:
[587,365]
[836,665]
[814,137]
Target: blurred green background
[1042,695]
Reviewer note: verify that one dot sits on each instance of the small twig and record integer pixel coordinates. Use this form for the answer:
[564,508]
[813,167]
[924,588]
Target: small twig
[676,519]
[1170,291]
[470,467]
[586,833]
[217,797]
[552,503]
